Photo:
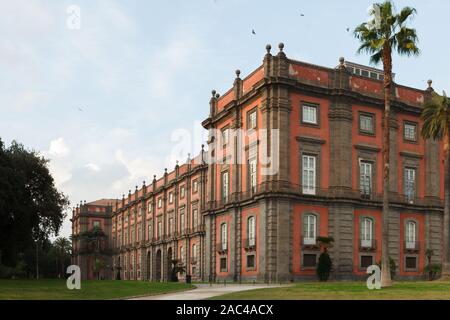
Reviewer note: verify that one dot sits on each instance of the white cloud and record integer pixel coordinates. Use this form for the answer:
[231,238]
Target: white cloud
[58,148]
[93,167]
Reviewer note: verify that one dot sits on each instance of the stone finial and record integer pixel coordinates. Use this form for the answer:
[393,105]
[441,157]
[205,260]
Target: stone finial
[213,92]
[129,191]
[268,48]
[203,147]
[238,73]
[430,82]
[123,196]
[217,95]
[341,61]
[165,170]
[143,183]
[281,54]
[281,46]
[136,188]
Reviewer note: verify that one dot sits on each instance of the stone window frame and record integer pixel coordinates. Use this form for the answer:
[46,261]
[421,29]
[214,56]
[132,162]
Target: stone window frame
[225,257]
[160,202]
[181,212]
[194,207]
[309,147]
[374,238]
[149,206]
[405,223]
[195,182]
[409,162]
[367,114]
[222,171]
[247,268]
[171,197]
[360,255]
[310,104]
[252,110]
[412,123]
[222,131]
[371,156]
[223,223]
[251,153]
[309,249]
[408,255]
[182,193]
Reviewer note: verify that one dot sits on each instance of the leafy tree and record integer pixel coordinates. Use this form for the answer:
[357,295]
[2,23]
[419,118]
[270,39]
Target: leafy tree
[436,125]
[31,208]
[384,33]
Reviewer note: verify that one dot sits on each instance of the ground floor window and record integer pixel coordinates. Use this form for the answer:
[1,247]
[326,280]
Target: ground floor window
[411,263]
[251,261]
[223,264]
[309,260]
[366,261]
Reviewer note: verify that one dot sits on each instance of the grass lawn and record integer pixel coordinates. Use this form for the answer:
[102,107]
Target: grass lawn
[98,290]
[347,290]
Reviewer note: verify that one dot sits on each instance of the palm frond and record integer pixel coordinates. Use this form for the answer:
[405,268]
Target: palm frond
[436,117]
[405,14]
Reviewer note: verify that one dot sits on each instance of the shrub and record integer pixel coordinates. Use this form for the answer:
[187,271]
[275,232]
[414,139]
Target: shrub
[324,266]
[433,270]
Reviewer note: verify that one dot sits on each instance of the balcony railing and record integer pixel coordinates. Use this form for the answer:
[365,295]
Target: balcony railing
[367,244]
[411,246]
[222,247]
[250,244]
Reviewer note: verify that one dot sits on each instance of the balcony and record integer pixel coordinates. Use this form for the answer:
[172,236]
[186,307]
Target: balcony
[309,243]
[367,244]
[250,244]
[222,247]
[411,246]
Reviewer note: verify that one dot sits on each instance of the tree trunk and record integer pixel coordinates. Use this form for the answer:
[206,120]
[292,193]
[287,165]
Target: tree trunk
[386,280]
[446,229]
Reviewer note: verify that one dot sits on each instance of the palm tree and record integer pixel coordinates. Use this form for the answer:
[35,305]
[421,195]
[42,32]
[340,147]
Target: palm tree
[63,247]
[385,32]
[436,125]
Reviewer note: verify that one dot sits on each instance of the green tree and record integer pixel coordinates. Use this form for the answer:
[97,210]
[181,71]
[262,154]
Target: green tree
[31,208]
[386,32]
[63,250]
[436,125]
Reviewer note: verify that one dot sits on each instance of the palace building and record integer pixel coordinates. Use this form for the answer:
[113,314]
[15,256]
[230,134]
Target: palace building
[294,153]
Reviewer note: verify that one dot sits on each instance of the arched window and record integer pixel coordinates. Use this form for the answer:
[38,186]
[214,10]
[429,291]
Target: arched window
[367,233]
[223,236]
[309,229]
[410,234]
[251,231]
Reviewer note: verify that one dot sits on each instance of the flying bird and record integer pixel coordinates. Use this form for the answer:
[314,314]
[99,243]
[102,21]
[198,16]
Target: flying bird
[348,29]
[79,109]
[302,14]
[253,31]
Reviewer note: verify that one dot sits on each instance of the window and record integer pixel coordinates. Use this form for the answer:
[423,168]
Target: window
[309,229]
[182,225]
[138,233]
[223,264]
[139,211]
[252,167]
[182,192]
[133,235]
[309,260]
[126,219]
[364,73]
[365,178]
[225,136]
[194,252]
[149,205]
[252,123]
[410,131]
[309,175]
[225,186]
[251,261]
[223,236]
[366,261]
[170,197]
[366,123]
[195,185]
[150,230]
[159,202]
[159,229]
[373,75]
[309,114]
[410,234]
[251,231]
[96,224]
[182,255]
[194,218]
[410,184]
[411,262]
[171,226]
[366,233]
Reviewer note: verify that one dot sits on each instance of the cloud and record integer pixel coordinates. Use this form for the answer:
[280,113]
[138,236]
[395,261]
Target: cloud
[58,148]
[93,167]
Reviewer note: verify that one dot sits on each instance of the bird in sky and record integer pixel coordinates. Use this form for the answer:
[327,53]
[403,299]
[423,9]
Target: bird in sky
[79,109]
[253,31]
[302,14]
[348,29]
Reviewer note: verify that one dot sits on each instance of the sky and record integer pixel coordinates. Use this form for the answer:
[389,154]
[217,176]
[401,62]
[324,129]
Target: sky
[120,98]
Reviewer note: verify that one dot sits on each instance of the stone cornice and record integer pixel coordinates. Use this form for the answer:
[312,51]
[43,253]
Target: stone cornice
[410,154]
[310,139]
[367,147]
